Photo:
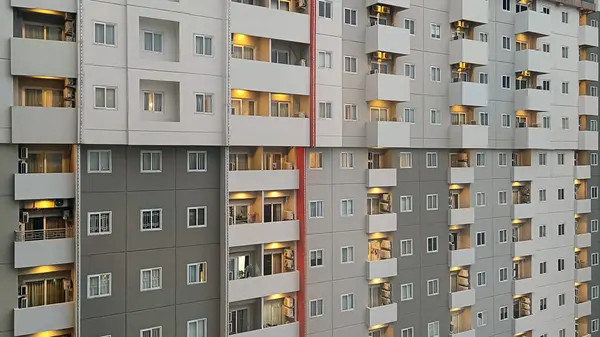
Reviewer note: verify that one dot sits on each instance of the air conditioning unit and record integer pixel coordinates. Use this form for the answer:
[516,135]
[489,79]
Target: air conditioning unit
[59,203]
[24,217]
[23,153]
[22,167]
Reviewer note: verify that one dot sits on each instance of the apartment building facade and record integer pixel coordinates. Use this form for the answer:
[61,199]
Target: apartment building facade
[278,168]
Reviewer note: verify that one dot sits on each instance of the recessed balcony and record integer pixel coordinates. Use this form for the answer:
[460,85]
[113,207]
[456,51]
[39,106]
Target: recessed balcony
[382,177]
[533,99]
[387,87]
[269,131]
[588,36]
[523,211]
[522,173]
[44,318]
[469,51]
[583,274]
[532,138]
[475,11]
[588,70]
[44,247]
[262,286]
[383,314]
[269,76]
[468,94]
[534,23]
[461,257]
[31,125]
[524,285]
[401,4]
[535,61]
[461,216]
[461,175]
[583,172]
[382,268]
[387,134]
[382,222]
[588,140]
[69,6]
[583,240]
[588,105]
[463,298]
[263,180]
[583,309]
[583,206]
[41,186]
[263,232]
[37,57]
[469,136]
[387,39]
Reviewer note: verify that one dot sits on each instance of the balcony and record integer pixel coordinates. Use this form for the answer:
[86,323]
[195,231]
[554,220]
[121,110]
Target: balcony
[588,140]
[262,286]
[461,257]
[532,138]
[44,318]
[534,23]
[388,134]
[535,61]
[583,240]
[385,177]
[583,309]
[69,6]
[524,248]
[525,323]
[401,4]
[269,131]
[588,105]
[463,298]
[383,314]
[461,175]
[524,285]
[523,211]
[263,232]
[387,87]
[387,39]
[583,274]
[262,180]
[382,222]
[269,76]
[469,136]
[270,23]
[44,247]
[475,11]
[588,70]
[461,216]
[533,99]
[39,186]
[382,268]
[588,36]
[583,172]
[39,124]
[287,330]
[522,173]
[468,94]
[469,51]
[467,333]
[35,57]
[583,206]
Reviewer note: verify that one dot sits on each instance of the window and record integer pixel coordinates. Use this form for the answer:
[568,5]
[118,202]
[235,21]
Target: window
[153,102]
[151,219]
[484,118]
[595,325]
[325,109]
[481,279]
[203,45]
[150,161]
[316,258]
[546,122]
[347,207]
[480,159]
[593,23]
[104,34]
[543,304]
[431,160]
[483,78]
[204,103]
[564,17]
[316,209]
[542,159]
[502,236]
[196,273]
[409,24]
[196,217]
[99,223]
[151,279]
[542,195]
[482,318]
[406,292]
[350,64]
[406,332]
[435,117]
[480,239]
[347,160]
[503,313]
[561,299]
[561,264]
[350,16]
[546,49]
[409,115]
[505,121]
[506,5]
[543,269]
[565,89]
[562,333]
[594,192]
[561,194]
[435,74]
[483,37]
[480,199]
[560,158]
[347,302]
[594,159]
[99,285]
[409,71]
[505,82]
[432,244]
[594,225]
[406,203]
[153,42]
[316,308]
[405,159]
[433,329]
[432,202]
[350,112]
[542,231]
[503,274]
[433,287]
[99,161]
[435,31]
[151,332]
[347,254]
[105,98]
[406,247]
[196,161]
[561,229]
[196,328]
[316,160]
[324,59]
[325,9]
[594,259]
[595,292]
[565,52]
[502,159]
[505,42]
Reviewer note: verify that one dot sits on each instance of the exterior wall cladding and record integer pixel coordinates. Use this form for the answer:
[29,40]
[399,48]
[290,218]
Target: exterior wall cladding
[284,174]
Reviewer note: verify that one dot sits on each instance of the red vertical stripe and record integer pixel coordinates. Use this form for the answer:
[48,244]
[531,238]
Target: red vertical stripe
[301,247]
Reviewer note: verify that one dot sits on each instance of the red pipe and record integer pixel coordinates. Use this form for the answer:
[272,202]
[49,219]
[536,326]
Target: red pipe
[301,259]
[313,72]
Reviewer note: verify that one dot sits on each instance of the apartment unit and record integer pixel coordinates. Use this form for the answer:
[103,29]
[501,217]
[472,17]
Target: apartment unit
[278,168]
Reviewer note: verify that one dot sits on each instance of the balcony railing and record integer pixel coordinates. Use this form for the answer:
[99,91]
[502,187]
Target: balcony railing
[43,234]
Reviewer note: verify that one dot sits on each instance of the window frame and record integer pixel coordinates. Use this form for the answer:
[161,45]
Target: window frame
[100,232]
[197,208]
[316,216]
[105,88]
[204,38]
[316,251]
[151,329]
[99,276]
[349,249]
[197,321]
[198,153]
[99,152]
[199,275]
[154,34]
[319,303]
[142,229]
[205,96]
[348,295]
[160,269]
[105,24]
[151,153]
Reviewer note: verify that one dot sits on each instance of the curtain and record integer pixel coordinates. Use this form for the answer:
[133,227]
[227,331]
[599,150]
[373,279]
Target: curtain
[34,32]
[56,98]
[54,33]
[54,162]
[99,28]
[33,97]
[100,98]
[110,34]
[35,293]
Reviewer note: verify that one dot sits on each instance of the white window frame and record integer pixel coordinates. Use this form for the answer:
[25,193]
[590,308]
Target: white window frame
[105,88]
[406,247]
[204,38]
[502,198]
[351,11]
[99,277]
[434,242]
[99,214]
[104,43]
[348,162]
[99,153]
[349,254]
[480,239]
[150,330]
[316,215]
[351,58]
[198,266]
[350,300]
[160,273]
[319,308]
[434,160]
[152,154]
[409,202]
[409,292]
[483,277]
[435,283]
[199,162]
[206,109]
[316,252]
[408,159]
[198,322]
[197,209]
[151,210]
[154,35]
